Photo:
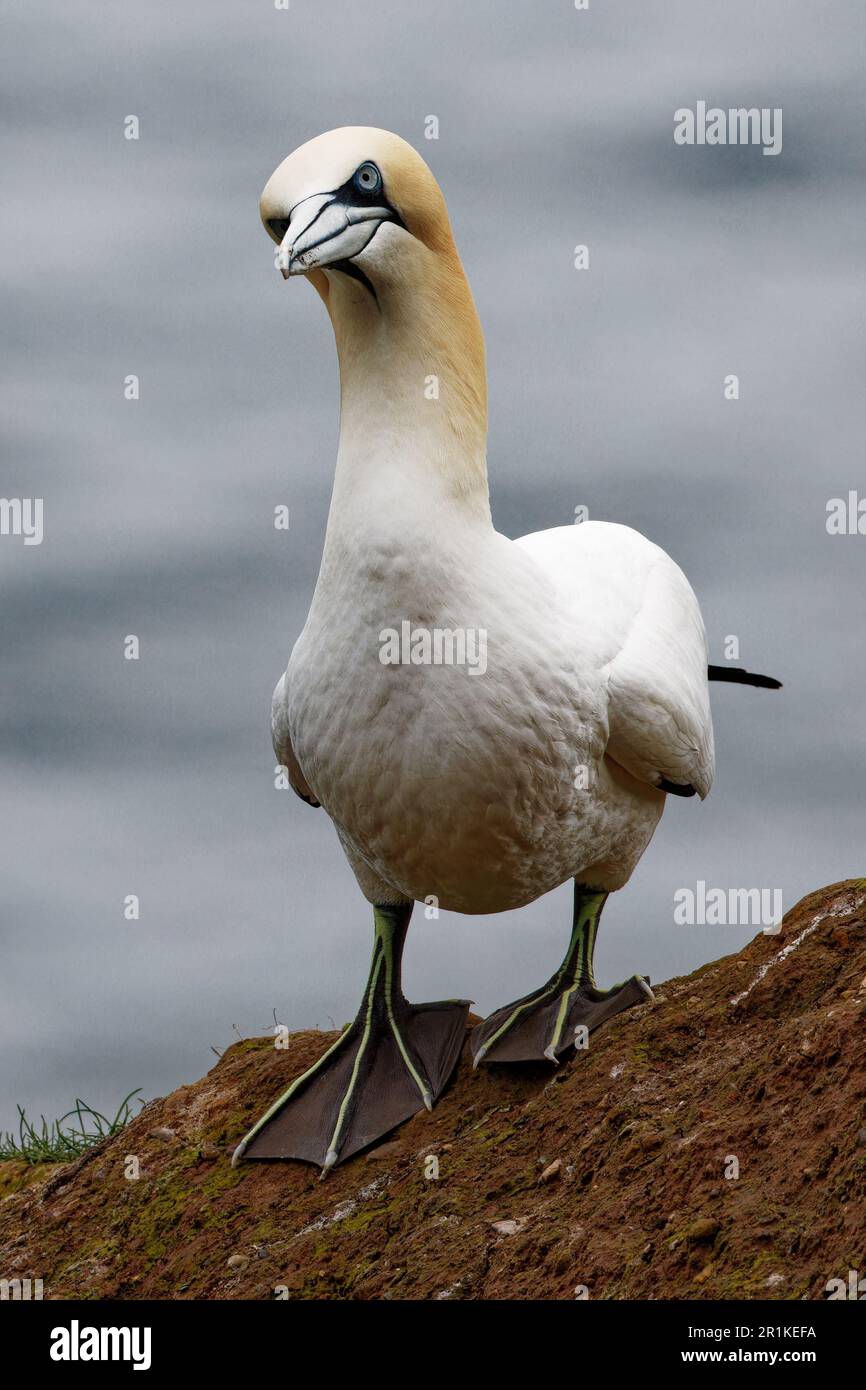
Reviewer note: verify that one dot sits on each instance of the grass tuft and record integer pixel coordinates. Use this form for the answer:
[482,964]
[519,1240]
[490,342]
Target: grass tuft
[67,1138]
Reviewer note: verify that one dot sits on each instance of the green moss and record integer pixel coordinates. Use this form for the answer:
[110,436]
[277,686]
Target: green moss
[15,1175]
[249,1045]
[164,1203]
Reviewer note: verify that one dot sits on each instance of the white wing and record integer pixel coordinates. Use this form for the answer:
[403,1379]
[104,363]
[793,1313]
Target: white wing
[644,630]
[283,744]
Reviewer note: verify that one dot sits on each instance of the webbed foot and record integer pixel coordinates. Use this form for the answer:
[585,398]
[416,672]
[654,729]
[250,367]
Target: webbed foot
[561,1015]
[392,1061]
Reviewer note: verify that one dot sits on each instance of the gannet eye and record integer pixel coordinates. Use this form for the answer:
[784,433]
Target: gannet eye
[277,228]
[367,179]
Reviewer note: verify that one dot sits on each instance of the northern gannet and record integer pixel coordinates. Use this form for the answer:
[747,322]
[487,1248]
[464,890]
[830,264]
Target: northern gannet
[476,785]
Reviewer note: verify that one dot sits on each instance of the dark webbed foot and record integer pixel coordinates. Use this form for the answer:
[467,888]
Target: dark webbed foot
[392,1061]
[544,1024]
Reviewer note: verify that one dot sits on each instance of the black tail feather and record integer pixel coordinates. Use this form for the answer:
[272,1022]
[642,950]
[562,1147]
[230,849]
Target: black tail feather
[737,675]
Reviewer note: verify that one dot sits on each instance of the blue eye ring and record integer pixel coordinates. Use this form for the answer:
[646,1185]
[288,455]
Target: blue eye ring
[367,178]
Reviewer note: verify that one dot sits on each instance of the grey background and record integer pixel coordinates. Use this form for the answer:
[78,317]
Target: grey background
[155,777]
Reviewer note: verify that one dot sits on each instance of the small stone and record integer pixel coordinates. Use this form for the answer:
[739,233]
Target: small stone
[861,1138]
[236,1262]
[552,1170]
[507,1228]
[703,1231]
[162,1132]
[773,1280]
[453,1291]
[704,1274]
[647,1252]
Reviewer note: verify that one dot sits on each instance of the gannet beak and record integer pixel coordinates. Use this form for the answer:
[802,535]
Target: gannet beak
[323,231]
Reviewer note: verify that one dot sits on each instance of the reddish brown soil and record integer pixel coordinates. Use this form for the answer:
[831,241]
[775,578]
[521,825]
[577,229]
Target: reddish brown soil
[639,1133]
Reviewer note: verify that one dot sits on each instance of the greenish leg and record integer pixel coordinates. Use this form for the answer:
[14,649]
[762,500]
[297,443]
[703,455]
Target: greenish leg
[390,935]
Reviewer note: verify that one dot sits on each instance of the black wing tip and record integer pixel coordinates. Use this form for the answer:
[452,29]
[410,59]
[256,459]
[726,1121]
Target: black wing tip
[738,675]
[676,788]
[310,800]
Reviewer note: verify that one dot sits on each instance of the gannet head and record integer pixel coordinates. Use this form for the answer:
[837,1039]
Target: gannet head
[353,202]
[359,214]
